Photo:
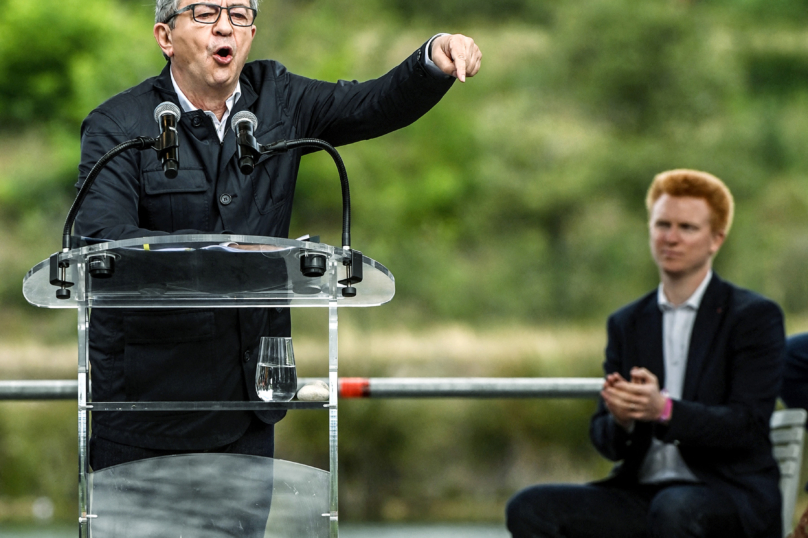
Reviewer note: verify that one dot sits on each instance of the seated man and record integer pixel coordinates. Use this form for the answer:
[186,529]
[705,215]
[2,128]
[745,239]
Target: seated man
[695,457]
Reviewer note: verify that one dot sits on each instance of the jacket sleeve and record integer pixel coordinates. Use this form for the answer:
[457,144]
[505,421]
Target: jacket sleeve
[610,439]
[754,367]
[348,111]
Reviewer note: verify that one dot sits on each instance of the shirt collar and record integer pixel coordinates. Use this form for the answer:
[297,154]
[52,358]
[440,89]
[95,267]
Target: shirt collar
[692,302]
[187,106]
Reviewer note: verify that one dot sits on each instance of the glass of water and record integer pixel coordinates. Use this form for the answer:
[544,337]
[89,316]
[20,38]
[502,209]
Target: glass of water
[276,377]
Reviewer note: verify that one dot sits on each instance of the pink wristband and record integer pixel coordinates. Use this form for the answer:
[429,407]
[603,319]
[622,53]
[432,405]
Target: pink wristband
[667,409]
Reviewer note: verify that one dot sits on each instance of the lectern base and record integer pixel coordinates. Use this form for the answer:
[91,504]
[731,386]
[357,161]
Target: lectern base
[209,496]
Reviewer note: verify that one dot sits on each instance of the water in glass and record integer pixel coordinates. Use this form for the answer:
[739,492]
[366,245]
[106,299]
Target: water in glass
[276,383]
[275,376]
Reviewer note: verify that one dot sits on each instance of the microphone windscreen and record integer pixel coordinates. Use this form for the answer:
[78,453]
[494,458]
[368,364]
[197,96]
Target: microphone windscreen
[166,107]
[244,115]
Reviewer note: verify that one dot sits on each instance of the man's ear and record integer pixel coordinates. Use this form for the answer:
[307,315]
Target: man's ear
[162,34]
[718,240]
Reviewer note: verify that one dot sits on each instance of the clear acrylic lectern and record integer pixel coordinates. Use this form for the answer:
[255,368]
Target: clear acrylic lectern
[207,495]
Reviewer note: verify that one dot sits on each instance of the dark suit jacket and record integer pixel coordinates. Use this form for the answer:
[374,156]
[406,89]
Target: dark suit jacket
[211,354]
[721,423]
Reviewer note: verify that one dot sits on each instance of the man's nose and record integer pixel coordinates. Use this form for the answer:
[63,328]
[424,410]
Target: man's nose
[672,235]
[223,25]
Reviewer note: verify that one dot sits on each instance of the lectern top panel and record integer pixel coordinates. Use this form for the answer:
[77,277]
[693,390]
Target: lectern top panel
[171,271]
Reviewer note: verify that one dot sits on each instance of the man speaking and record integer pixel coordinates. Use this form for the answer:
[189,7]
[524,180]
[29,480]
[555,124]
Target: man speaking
[198,354]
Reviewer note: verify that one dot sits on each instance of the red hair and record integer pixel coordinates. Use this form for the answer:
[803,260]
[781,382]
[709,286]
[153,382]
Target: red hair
[697,185]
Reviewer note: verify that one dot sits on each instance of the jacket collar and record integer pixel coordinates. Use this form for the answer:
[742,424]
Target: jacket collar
[164,86]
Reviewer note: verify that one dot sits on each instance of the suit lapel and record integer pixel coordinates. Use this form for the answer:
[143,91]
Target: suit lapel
[708,318]
[649,339]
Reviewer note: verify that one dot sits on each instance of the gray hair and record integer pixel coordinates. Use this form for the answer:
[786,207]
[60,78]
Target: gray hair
[163,9]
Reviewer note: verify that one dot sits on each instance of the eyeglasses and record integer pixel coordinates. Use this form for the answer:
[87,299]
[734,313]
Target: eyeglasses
[210,13]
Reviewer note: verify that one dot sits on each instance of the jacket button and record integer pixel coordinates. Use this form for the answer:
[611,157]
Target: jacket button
[247,356]
[197,121]
[225,199]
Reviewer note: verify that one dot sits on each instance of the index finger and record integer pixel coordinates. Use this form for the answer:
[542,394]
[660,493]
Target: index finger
[459,60]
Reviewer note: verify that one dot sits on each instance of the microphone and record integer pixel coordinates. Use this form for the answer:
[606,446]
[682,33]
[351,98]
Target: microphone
[243,124]
[167,115]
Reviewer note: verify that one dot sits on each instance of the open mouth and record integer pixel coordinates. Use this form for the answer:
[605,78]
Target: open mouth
[223,53]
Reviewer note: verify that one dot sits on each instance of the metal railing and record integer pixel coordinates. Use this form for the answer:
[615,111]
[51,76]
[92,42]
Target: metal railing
[374,387]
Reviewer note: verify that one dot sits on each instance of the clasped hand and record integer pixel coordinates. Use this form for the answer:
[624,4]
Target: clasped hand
[456,55]
[638,399]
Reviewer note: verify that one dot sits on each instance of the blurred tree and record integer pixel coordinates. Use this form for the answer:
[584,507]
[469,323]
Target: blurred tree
[763,11]
[463,11]
[641,66]
[61,58]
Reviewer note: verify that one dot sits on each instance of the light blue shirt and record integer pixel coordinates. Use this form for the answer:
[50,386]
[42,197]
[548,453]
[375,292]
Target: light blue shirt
[663,462]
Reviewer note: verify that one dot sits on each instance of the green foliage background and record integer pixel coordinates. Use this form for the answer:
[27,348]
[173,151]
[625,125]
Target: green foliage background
[518,201]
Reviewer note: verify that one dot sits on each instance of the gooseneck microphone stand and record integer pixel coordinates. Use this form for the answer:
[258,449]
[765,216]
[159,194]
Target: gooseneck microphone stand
[282,146]
[250,150]
[139,143]
[58,266]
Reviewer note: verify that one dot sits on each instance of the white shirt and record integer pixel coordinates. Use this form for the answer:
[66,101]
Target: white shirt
[187,106]
[663,462]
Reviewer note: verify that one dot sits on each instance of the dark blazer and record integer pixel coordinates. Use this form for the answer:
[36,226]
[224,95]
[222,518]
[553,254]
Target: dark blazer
[721,423]
[211,354]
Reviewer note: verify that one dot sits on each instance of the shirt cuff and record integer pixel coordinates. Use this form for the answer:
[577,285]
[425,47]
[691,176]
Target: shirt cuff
[430,65]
